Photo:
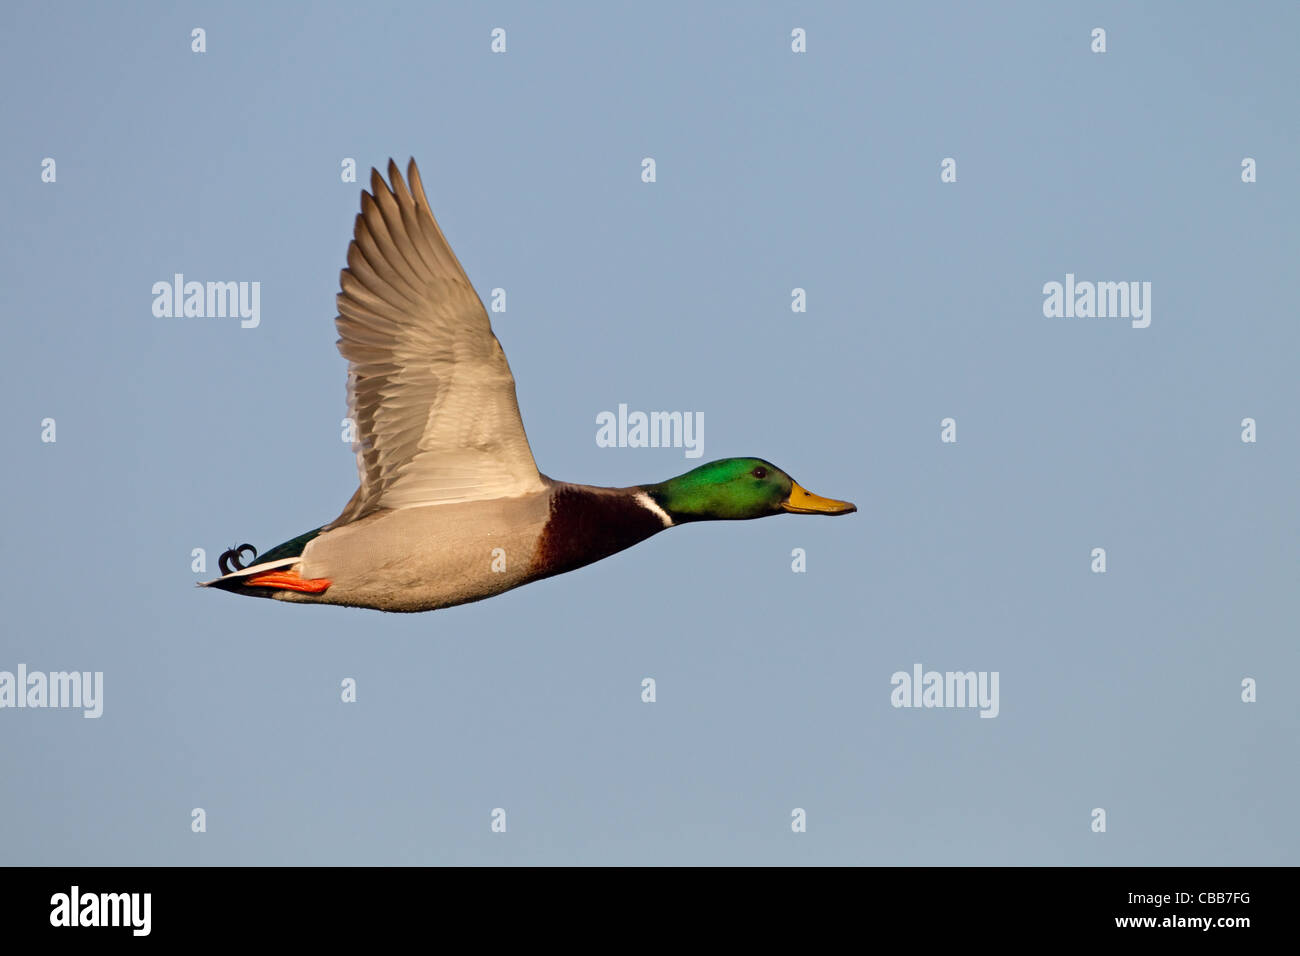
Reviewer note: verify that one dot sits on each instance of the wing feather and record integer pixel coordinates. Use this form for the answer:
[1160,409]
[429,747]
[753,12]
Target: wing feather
[429,388]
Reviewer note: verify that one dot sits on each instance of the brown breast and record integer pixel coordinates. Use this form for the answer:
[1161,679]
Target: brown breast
[587,524]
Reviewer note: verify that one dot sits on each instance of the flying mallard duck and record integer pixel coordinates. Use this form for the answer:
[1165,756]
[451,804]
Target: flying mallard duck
[451,507]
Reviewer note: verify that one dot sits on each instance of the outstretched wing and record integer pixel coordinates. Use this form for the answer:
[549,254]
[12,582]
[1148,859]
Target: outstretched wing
[429,388]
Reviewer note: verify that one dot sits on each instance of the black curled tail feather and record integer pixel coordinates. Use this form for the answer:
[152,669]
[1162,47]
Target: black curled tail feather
[232,560]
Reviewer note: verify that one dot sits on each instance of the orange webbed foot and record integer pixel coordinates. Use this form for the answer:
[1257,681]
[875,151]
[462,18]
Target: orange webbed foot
[289,581]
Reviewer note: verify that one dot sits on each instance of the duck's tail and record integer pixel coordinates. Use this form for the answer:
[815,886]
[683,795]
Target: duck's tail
[236,577]
[273,570]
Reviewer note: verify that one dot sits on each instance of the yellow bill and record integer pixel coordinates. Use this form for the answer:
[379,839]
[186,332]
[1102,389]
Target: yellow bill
[804,502]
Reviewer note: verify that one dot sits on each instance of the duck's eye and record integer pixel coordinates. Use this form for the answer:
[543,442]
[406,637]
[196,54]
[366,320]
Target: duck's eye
[759,472]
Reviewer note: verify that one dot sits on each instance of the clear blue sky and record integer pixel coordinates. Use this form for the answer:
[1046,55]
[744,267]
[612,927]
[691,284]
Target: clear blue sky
[775,171]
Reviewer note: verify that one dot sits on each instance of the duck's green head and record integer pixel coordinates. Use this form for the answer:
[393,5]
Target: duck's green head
[738,488]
